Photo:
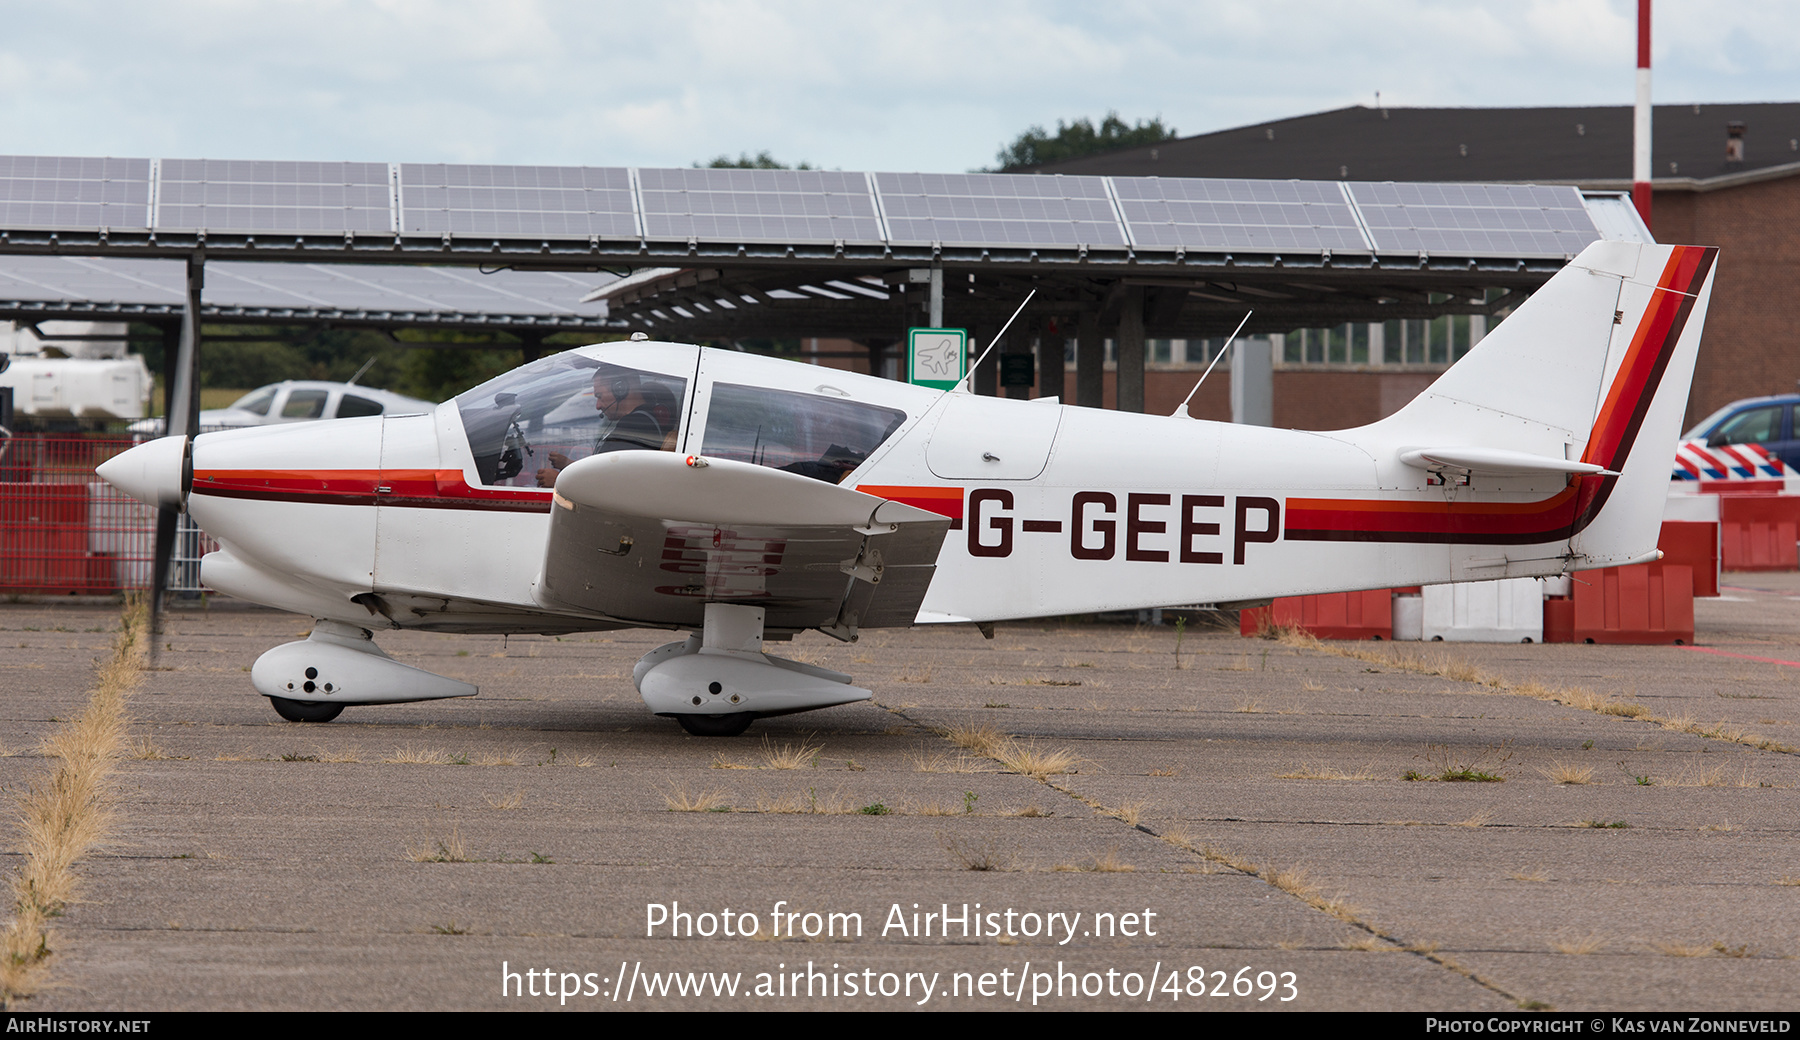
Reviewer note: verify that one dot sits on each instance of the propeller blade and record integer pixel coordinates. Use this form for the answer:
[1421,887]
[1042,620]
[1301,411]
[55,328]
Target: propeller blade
[184,418]
[166,521]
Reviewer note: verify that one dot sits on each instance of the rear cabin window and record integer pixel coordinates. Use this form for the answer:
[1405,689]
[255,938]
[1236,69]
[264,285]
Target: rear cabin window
[352,406]
[819,437]
[305,404]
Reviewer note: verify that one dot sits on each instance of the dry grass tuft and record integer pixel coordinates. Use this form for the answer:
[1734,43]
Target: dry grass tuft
[1028,758]
[981,739]
[1249,707]
[448,849]
[498,758]
[1369,944]
[1311,687]
[930,807]
[511,800]
[67,813]
[348,756]
[922,676]
[1293,881]
[1480,819]
[1579,947]
[790,756]
[679,799]
[1679,949]
[1109,863]
[1132,812]
[1029,811]
[1561,773]
[1540,874]
[1790,880]
[977,853]
[1165,771]
[143,750]
[411,756]
[939,762]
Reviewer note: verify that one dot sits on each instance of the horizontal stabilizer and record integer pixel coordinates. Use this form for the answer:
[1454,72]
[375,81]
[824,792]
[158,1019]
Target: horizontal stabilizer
[1493,460]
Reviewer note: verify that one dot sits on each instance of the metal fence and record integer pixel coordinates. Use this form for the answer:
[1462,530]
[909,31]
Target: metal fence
[63,530]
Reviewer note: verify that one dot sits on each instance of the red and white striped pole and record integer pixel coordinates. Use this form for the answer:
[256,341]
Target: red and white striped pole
[1640,131]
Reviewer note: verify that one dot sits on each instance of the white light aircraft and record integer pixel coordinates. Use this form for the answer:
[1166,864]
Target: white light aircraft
[766,497]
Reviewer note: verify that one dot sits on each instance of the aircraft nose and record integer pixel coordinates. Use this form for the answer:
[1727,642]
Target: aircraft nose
[154,473]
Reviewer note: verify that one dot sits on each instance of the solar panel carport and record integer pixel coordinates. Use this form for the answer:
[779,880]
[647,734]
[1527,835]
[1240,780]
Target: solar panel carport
[813,252]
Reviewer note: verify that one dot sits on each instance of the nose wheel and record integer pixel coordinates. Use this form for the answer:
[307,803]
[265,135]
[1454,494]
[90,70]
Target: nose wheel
[716,725]
[310,711]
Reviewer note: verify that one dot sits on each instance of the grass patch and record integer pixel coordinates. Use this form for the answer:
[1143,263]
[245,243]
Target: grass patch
[66,813]
[1579,947]
[1029,758]
[679,799]
[1450,766]
[447,849]
[511,800]
[980,854]
[1561,773]
[790,756]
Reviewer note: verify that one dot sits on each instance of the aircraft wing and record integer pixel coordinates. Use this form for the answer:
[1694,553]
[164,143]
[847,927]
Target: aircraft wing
[651,537]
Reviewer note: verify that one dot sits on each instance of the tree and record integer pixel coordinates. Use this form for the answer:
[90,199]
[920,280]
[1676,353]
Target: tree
[760,161]
[1035,147]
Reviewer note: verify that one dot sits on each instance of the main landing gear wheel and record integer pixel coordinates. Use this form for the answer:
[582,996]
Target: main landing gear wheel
[310,711]
[714,725]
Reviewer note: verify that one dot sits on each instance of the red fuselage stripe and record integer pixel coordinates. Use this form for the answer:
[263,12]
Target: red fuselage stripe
[405,488]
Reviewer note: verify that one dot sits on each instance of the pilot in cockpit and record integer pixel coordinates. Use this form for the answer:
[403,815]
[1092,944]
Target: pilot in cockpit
[638,417]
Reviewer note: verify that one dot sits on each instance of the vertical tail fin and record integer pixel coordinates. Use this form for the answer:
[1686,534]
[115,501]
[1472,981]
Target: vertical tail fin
[1594,368]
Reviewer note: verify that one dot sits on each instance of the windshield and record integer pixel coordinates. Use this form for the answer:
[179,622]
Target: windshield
[524,427]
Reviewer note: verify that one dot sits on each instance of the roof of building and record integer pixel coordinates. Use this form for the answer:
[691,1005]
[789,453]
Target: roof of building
[1590,146]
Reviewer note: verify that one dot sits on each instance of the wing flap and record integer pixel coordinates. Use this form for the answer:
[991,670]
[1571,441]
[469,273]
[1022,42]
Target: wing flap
[651,537]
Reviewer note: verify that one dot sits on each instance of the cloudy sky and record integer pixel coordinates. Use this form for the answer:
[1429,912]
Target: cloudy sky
[911,86]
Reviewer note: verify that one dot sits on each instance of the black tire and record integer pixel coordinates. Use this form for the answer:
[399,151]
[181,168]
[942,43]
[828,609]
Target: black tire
[305,711]
[716,725]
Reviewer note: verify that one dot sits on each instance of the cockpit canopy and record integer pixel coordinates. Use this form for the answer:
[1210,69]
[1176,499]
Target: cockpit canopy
[527,425]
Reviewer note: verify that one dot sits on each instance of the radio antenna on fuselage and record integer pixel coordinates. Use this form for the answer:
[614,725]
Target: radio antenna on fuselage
[1182,407]
[996,338]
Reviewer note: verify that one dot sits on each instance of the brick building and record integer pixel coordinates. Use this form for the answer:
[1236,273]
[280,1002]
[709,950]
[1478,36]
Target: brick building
[1726,175]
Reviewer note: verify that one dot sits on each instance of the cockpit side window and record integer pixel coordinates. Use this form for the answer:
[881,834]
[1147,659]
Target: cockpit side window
[820,437]
[525,426]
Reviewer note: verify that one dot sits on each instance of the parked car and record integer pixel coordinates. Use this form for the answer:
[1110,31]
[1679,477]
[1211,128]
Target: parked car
[299,400]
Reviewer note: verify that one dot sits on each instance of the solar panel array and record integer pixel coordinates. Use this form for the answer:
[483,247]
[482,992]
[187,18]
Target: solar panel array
[44,191]
[516,200]
[295,197]
[1266,216]
[1474,219]
[758,205]
[990,209]
[731,206]
[366,288]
